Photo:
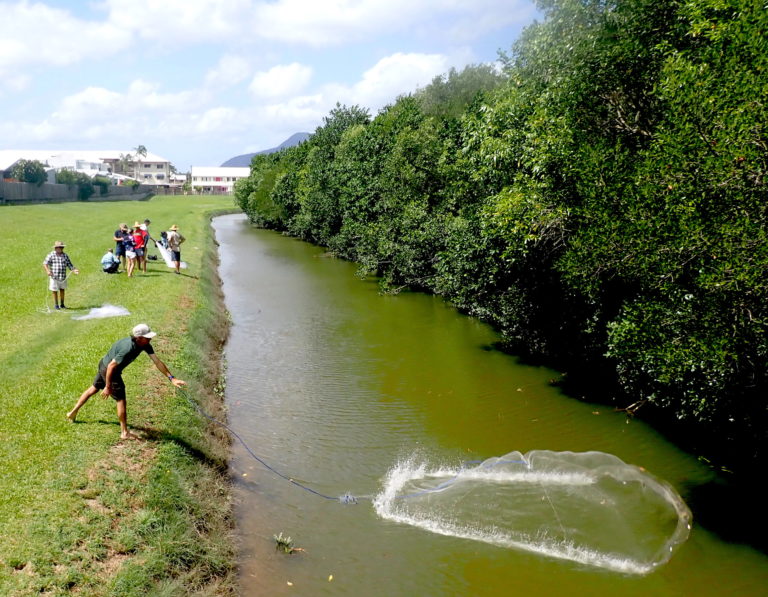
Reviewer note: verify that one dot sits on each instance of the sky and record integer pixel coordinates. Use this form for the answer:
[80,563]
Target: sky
[200,81]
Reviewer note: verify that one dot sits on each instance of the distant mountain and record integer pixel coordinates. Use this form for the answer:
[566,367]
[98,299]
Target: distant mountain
[244,160]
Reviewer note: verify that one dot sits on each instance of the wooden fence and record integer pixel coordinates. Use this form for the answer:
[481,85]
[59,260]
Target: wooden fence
[22,193]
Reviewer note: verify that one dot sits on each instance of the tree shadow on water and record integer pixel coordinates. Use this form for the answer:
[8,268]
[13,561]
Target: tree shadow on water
[733,510]
[731,506]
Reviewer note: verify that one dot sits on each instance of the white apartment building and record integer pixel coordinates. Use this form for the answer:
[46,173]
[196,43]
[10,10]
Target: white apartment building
[150,169]
[217,179]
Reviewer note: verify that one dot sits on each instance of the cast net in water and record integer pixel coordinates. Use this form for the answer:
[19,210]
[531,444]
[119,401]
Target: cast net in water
[589,507]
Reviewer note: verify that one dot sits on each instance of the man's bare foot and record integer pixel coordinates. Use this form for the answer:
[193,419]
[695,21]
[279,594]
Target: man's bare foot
[71,416]
[129,435]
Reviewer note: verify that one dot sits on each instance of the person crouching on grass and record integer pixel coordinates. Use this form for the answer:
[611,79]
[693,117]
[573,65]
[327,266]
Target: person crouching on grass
[110,262]
[109,377]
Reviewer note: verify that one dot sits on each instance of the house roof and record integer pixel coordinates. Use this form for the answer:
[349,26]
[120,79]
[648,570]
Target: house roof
[61,158]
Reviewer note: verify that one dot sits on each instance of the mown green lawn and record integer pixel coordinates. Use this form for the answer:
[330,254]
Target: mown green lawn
[80,511]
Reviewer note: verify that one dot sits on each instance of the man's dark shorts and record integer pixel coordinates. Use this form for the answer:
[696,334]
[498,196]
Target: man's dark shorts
[118,387]
[120,250]
[176,255]
[139,252]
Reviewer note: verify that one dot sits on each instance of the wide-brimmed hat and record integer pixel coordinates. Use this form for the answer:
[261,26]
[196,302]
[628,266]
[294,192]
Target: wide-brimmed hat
[142,330]
[136,224]
[174,228]
[58,244]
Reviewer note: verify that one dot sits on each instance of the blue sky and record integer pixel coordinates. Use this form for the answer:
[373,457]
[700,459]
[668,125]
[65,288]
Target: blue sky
[201,81]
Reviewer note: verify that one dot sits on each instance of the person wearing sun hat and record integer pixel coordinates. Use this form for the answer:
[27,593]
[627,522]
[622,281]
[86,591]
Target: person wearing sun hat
[175,239]
[55,265]
[109,376]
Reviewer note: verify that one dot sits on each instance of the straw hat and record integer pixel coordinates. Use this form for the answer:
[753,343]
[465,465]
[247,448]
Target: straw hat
[136,224]
[58,244]
[174,228]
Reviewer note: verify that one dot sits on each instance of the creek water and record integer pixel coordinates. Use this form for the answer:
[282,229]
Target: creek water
[334,386]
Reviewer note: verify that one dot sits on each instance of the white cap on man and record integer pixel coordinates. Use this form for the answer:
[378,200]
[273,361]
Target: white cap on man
[142,331]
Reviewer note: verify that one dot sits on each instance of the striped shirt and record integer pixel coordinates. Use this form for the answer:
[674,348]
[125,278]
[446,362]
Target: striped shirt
[58,264]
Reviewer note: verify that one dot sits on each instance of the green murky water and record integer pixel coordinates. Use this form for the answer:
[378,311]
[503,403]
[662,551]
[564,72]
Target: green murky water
[334,385]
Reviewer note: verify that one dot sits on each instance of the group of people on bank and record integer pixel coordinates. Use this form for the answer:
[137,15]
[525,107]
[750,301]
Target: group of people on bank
[131,250]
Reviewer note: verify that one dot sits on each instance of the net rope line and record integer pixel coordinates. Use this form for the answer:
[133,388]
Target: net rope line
[47,305]
[346,498]
[587,557]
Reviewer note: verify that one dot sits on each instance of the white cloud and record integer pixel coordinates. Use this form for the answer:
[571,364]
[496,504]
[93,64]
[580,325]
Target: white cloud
[391,76]
[328,22]
[141,114]
[381,84]
[281,81]
[89,103]
[337,22]
[398,74]
[16,82]
[173,21]
[141,98]
[217,120]
[230,70]
[477,18]
[34,34]
[300,112]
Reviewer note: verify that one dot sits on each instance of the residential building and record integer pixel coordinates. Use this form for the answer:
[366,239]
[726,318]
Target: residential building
[217,179]
[151,169]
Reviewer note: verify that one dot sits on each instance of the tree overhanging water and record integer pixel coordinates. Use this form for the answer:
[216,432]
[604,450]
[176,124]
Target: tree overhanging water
[601,202]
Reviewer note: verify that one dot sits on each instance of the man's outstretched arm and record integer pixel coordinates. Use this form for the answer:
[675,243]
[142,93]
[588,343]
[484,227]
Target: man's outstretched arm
[164,370]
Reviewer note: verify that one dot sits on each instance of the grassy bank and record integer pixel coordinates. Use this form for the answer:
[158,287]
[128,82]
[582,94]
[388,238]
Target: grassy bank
[80,511]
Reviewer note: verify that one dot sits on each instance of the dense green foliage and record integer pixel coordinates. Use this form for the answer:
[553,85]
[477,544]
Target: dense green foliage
[103,183]
[82,181]
[602,201]
[32,171]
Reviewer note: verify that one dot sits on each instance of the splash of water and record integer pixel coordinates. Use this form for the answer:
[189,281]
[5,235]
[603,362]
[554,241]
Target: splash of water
[591,508]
